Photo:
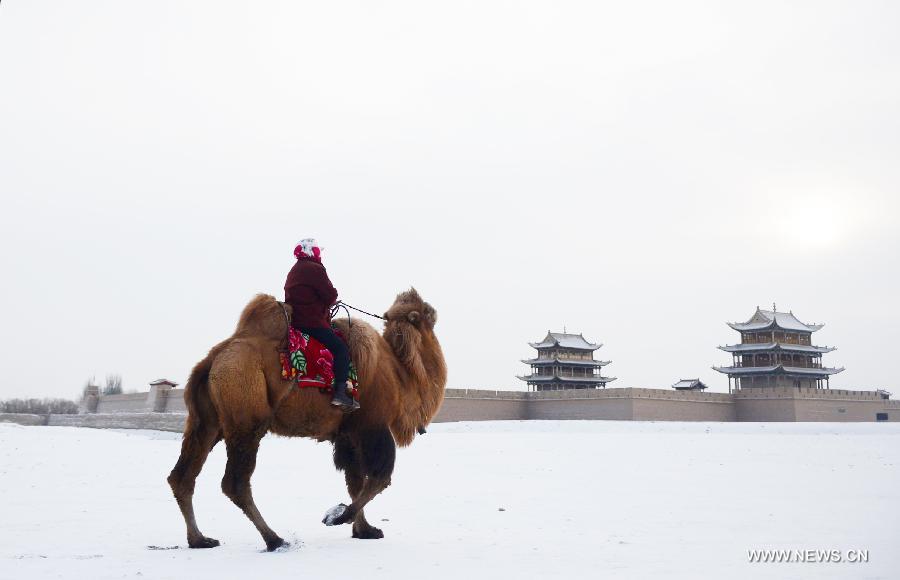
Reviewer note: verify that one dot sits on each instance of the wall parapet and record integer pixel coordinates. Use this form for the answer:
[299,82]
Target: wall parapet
[806,393]
[484,394]
[586,394]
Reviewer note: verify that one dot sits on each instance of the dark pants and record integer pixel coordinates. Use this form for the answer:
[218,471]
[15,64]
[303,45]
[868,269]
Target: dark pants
[338,349]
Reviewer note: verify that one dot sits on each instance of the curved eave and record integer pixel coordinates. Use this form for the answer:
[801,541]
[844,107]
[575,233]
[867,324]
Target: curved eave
[591,348]
[574,380]
[553,362]
[800,348]
[779,370]
[757,326]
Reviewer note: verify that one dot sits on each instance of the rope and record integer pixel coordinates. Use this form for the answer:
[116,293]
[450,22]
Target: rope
[336,308]
[344,305]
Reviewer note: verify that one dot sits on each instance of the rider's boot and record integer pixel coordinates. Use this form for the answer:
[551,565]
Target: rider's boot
[343,399]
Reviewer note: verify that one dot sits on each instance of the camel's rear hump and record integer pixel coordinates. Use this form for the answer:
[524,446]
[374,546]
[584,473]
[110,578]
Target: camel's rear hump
[237,386]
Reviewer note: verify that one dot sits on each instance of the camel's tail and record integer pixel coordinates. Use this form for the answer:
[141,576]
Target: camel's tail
[201,430]
[201,412]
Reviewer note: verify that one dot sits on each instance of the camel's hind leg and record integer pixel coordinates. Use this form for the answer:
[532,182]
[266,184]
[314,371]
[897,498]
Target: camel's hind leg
[199,439]
[368,462]
[356,485]
[242,449]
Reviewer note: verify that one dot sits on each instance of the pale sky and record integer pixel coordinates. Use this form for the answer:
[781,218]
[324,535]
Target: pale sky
[640,172]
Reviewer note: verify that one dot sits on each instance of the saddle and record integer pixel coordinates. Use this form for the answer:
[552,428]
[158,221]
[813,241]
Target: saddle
[310,364]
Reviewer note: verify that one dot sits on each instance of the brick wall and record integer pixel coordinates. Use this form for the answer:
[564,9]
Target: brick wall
[158,421]
[791,404]
[23,419]
[129,403]
[626,404]
[482,405]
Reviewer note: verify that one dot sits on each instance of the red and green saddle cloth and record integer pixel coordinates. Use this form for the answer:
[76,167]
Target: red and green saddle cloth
[310,364]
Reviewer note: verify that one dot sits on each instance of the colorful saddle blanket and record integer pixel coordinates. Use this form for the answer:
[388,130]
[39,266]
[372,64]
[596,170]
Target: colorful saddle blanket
[310,364]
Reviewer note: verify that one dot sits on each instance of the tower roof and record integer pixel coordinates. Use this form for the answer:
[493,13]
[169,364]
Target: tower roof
[564,340]
[164,382]
[689,385]
[766,319]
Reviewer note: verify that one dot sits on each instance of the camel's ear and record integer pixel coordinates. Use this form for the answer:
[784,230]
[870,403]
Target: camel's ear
[413,316]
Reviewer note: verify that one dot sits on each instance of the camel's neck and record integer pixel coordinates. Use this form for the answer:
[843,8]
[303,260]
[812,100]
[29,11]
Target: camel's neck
[433,362]
[421,360]
[419,356]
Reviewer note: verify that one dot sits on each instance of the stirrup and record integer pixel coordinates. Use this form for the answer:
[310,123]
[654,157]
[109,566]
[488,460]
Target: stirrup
[345,406]
[343,400]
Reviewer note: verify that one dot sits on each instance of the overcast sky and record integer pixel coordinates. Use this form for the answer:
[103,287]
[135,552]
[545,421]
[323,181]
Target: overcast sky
[640,172]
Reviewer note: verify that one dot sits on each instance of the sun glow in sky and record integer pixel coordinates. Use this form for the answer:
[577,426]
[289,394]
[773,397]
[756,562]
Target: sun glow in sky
[817,221]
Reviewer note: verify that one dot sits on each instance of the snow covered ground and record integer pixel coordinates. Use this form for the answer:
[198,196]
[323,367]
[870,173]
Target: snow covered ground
[469,500]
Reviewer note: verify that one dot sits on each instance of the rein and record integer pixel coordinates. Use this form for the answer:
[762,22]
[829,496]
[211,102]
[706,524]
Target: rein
[345,306]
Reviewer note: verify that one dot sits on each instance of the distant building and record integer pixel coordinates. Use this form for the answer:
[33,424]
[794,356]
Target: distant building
[689,385]
[164,382]
[776,350]
[565,361]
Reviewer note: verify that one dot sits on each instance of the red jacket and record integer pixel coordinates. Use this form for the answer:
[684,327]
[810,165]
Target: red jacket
[310,293]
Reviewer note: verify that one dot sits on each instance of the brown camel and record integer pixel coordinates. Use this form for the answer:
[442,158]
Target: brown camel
[237,394]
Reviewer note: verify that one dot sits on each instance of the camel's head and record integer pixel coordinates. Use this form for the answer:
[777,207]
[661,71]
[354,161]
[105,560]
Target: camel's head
[409,308]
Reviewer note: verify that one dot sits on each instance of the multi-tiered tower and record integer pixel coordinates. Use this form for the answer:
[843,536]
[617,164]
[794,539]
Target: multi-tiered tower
[565,361]
[776,350]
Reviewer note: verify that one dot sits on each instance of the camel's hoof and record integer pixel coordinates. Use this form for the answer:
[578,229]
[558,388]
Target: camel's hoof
[203,542]
[339,514]
[370,533]
[276,543]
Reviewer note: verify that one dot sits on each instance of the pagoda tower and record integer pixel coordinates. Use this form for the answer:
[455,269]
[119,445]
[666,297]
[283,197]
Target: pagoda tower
[776,350]
[565,361]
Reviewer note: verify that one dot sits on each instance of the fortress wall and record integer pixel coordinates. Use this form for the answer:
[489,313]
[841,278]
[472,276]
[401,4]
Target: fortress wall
[606,408]
[624,404]
[159,399]
[791,404]
[130,403]
[481,405]
[158,421]
[765,404]
[762,409]
[133,411]
[175,401]
[820,409]
[631,404]
[664,409]
[23,419]
[583,404]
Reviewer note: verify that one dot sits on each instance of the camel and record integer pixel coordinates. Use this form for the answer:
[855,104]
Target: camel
[237,394]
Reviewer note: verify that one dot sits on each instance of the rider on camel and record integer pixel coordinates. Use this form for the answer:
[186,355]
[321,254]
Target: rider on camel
[311,294]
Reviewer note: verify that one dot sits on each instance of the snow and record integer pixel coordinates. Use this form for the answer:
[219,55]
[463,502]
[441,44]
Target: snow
[469,500]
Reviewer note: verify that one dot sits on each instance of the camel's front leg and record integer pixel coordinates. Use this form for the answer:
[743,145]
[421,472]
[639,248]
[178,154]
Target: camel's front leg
[368,463]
